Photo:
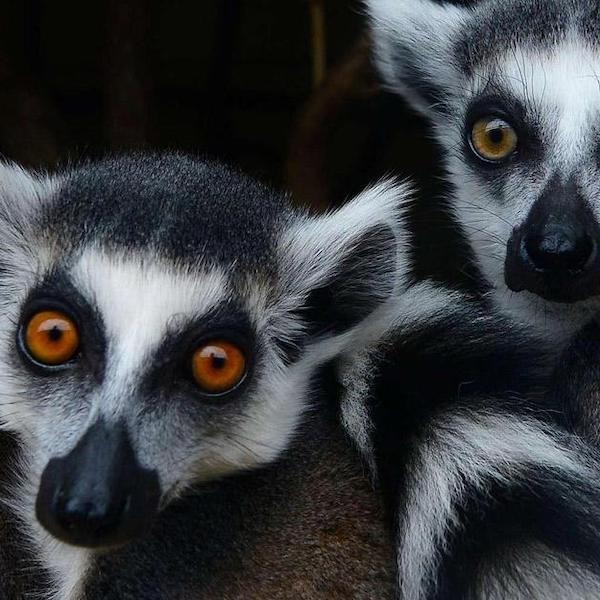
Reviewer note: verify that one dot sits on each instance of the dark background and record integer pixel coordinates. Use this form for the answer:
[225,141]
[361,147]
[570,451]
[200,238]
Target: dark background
[225,77]
[282,88]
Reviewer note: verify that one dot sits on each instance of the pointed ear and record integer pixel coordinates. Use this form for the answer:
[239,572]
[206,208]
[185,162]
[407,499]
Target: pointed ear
[340,267]
[21,194]
[414,48]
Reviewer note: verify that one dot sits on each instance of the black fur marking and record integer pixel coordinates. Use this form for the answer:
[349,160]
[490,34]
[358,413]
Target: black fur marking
[547,507]
[21,574]
[576,386]
[179,207]
[56,291]
[170,371]
[291,349]
[362,281]
[413,77]
[454,363]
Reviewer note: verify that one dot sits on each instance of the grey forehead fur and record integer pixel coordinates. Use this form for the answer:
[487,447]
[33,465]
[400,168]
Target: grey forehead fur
[497,26]
[174,205]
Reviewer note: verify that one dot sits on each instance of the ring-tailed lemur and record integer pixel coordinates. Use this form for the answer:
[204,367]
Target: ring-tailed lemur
[494,494]
[511,89]
[162,319]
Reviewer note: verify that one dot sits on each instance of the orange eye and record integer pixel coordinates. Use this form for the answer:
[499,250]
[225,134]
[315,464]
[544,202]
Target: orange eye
[51,337]
[493,139]
[218,366]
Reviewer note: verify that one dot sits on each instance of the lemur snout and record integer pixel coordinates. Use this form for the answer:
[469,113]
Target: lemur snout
[98,495]
[555,252]
[558,248]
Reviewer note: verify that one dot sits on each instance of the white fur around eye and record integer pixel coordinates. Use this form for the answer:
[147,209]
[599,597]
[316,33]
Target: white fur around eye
[138,299]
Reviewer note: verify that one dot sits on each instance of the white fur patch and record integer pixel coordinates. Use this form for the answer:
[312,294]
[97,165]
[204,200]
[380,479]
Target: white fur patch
[456,451]
[425,27]
[561,87]
[314,247]
[68,563]
[356,376]
[138,299]
[537,571]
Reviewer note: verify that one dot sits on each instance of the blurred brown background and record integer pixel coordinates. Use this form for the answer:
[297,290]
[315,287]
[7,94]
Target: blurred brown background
[282,88]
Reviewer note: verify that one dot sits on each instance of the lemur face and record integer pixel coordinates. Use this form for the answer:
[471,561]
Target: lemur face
[512,90]
[162,321]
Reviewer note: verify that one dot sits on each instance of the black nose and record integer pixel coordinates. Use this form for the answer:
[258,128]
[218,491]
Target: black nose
[98,495]
[558,249]
[79,518]
[554,252]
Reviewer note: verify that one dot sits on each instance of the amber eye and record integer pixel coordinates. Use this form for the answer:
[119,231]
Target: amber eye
[493,139]
[51,337]
[218,366]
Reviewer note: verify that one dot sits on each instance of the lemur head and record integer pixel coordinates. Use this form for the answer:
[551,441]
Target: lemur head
[162,318]
[512,88]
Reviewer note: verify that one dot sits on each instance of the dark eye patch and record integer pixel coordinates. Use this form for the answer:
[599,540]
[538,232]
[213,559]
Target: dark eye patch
[505,107]
[57,292]
[171,365]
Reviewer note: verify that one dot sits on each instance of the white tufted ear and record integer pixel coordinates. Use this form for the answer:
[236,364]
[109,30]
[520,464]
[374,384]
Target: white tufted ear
[342,266]
[19,191]
[21,195]
[413,47]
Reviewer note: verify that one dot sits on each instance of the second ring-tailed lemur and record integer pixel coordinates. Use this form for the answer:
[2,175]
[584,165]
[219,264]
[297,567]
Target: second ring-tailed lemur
[162,320]
[494,492]
[511,90]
